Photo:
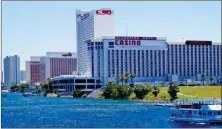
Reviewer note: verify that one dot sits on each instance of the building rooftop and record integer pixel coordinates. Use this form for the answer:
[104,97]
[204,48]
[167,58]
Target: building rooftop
[100,39]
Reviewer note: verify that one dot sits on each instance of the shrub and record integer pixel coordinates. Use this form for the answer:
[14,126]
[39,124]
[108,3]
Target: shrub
[84,96]
[45,94]
[114,93]
[108,90]
[124,91]
[173,90]
[77,93]
[58,95]
[141,90]
[100,96]
[156,90]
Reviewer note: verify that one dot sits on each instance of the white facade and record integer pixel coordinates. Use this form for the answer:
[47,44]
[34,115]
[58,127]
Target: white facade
[22,75]
[91,25]
[74,82]
[151,59]
[27,71]
[188,61]
[11,71]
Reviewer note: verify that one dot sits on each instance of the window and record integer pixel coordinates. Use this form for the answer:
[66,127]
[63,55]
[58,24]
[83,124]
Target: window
[111,43]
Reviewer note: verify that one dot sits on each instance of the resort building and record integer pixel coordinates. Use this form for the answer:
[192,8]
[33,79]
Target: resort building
[90,25]
[11,71]
[22,75]
[73,82]
[152,59]
[56,64]
[33,70]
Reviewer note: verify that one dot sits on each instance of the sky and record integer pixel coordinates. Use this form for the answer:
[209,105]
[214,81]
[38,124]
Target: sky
[34,28]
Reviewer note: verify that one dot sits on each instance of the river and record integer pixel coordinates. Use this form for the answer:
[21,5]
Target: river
[39,112]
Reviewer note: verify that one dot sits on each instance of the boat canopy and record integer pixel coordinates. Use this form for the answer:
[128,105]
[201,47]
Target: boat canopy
[204,101]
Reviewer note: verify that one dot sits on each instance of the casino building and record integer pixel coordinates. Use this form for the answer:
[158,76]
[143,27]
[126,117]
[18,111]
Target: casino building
[56,64]
[152,59]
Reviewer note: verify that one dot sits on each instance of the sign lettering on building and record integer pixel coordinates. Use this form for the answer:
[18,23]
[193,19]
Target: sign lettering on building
[68,54]
[135,38]
[103,12]
[136,41]
[128,42]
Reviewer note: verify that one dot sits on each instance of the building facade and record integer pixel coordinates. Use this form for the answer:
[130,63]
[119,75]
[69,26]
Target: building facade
[33,70]
[190,59]
[56,64]
[22,75]
[152,58]
[11,71]
[74,82]
[91,25]
[27,71]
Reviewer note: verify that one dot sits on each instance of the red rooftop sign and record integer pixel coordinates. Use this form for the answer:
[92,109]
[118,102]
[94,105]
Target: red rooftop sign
[103,12]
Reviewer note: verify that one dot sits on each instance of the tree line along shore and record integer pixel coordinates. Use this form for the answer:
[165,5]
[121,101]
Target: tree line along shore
[123,91]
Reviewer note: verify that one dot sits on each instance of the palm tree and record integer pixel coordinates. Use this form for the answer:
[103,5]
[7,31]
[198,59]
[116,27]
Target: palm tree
[122,79]
[117,79]
[132,76]
[186,81]
[211,78]
[50,82]
[202,78]
[127,76]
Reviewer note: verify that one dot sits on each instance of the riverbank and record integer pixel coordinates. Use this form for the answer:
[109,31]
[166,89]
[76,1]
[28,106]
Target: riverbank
[186,92]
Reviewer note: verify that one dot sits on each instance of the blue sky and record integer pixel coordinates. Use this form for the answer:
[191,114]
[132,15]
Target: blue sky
[34,28]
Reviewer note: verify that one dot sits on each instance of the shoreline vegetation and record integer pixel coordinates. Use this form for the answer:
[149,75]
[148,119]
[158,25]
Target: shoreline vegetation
[139,92]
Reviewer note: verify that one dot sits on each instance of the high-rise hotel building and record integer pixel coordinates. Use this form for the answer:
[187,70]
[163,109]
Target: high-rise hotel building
[152,58]
[11,71]
[56,64]
[90,25]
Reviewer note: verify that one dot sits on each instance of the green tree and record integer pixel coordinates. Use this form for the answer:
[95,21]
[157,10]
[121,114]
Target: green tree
[202,78]
[22,87]
[15,86]
[45,86]
[132,76]
[108,90]
[77,93]
[122,78]
[156,90]
[127,76]
[49,83]
[141,90]
[172,91]
[117,79]
[124,91]
[114,93]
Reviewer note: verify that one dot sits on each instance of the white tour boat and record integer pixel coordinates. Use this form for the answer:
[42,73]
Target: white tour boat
[197,112]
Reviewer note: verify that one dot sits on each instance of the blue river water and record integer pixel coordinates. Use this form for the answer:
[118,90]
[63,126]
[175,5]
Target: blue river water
[41,112]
